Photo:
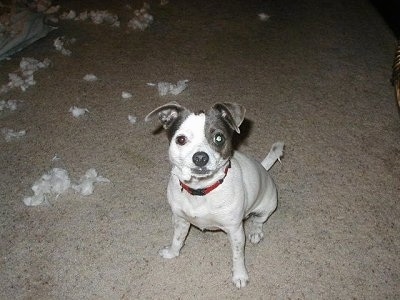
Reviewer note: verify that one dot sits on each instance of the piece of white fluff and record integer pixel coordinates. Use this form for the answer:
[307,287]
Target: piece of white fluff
[126,95]
[263,17]
[83,16]
[55,182]
[96,16]
[90,77]
[59,45]
[165,88]
[71,15]
[8,105]
[10,134]
[77,111]
[132,119]
[30,64]
[23,78]
[103,16]
[86,183]
[142,19]
[52,10]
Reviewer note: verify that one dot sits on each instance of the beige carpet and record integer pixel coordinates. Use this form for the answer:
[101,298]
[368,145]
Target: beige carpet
[315,75]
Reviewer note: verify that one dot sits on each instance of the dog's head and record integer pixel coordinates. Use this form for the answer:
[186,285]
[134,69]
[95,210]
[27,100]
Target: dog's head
[200,143]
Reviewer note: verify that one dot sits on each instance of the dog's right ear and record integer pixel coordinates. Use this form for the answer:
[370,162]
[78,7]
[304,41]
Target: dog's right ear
[232,113]
[166,113]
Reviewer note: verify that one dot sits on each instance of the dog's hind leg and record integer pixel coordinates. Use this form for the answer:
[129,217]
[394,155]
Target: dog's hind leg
[256,223]
[256,228]
[181,229]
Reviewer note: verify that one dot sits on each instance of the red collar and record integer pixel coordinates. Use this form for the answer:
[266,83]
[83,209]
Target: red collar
[205,191]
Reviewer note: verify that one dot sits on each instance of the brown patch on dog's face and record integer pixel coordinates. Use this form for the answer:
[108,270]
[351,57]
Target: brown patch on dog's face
[176,124]
[218,133]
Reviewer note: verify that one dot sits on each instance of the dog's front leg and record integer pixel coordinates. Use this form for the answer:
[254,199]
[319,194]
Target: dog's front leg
[237,239]
[181,228]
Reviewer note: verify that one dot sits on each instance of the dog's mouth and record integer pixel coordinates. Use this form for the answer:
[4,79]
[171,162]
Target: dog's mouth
[201,171]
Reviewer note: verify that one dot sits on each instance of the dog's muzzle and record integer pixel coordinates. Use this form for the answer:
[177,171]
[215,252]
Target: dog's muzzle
[206,190]
[200,159]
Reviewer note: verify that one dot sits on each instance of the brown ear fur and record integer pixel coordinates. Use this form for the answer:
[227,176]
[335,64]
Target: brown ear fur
[166,113]
[233,113]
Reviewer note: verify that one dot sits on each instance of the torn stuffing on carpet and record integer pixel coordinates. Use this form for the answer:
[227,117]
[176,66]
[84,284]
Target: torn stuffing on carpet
[78,112]
[23,78]
[71,15]
[142,19]
[103,16]
[126,95]
[86,183]
[57,181]
[11,134]
[8,105]
[132,119]
[54,182]
[90,77]
[96,16]
[263,17]
[165,88]
[59,45]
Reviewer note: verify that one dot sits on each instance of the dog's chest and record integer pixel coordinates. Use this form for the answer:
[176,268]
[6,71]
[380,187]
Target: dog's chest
[205,212]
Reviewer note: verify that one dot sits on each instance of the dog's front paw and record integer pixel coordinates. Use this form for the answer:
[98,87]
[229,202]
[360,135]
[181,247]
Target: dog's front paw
[168,253]
[240,280]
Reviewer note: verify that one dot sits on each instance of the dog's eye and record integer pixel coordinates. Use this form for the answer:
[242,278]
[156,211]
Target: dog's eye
[219,139]
[181,140]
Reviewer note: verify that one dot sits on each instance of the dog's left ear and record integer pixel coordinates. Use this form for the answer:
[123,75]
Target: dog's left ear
[232,113]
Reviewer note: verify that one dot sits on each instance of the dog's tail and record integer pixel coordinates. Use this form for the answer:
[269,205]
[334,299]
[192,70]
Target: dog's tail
[274,154]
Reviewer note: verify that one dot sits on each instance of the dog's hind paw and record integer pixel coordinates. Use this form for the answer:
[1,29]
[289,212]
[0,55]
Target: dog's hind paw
[256,237]
[168,253]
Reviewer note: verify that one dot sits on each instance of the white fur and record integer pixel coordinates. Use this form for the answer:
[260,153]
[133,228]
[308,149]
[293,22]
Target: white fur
[181,156]
[247,191]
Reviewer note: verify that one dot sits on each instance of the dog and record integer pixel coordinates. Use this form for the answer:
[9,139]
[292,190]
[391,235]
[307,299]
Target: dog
[212,186]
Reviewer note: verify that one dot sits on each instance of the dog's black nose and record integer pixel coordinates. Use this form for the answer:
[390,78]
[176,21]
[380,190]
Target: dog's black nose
[200,159]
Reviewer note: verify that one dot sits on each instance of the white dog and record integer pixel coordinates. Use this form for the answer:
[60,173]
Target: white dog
[212,186]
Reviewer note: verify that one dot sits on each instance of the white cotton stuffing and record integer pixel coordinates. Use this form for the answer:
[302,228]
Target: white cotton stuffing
[263,17]
[23,78]
[87,181]
[52,9]
[71,15]
[57,182]
[78,112]
[96,16]
[132,119]
[165,88]
[103,16]
[11,134]
[59,44]
[83,16]
[90,77]
[126,95]
[142,19]
[54,182]
[8,105]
